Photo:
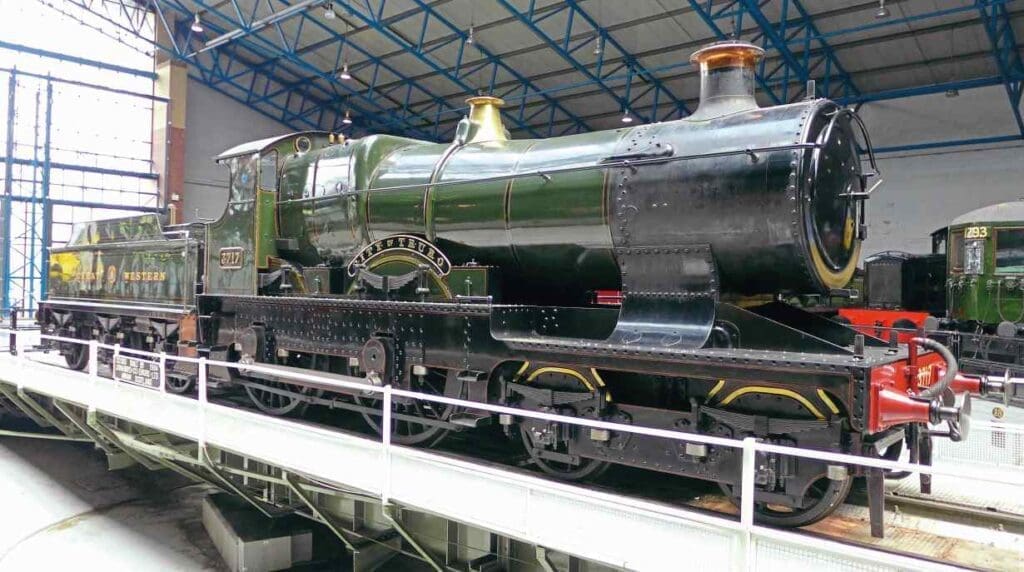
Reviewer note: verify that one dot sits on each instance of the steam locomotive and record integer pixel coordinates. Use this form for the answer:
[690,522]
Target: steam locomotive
[475,269]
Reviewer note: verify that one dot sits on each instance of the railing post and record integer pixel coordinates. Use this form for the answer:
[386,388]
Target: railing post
[385,432]
[747,498]
[747,482]
[94,361]
[201,381]
[163,371]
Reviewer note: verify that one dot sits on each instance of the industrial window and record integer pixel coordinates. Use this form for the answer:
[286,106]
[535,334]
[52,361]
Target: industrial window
[75,136]
[1010,251]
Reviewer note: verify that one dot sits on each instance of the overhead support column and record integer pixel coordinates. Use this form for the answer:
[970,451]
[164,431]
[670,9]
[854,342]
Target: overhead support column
[169,130]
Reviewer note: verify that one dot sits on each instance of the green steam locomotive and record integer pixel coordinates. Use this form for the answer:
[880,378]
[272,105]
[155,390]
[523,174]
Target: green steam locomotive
[480,269]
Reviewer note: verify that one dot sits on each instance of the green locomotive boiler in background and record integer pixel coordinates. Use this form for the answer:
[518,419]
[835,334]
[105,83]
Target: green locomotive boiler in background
[985,289]
[986,267]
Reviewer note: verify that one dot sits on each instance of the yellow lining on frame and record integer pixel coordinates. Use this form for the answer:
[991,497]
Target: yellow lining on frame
[718,387]
[774,391]
[564,370]
[823,395]
[522,370]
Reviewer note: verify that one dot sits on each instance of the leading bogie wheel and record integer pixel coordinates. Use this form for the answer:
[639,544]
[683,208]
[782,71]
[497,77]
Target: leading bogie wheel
[581,469]
[821,498]
[545,451]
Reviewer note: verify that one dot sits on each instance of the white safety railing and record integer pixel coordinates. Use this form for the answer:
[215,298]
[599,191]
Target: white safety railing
[749,446]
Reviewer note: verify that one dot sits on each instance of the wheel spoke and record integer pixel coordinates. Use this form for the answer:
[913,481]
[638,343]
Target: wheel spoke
[408,432]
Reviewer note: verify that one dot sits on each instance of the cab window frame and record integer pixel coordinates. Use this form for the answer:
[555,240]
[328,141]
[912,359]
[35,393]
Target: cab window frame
[996,232]
[272,154]
[955,248]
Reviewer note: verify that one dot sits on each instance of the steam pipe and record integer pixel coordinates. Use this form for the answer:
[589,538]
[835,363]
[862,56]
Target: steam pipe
[952,368]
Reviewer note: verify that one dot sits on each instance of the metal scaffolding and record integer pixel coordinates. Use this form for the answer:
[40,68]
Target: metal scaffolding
[71,151]
[282,58]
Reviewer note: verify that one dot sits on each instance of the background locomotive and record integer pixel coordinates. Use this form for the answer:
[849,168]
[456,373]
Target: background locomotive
[470,269]
[968,293]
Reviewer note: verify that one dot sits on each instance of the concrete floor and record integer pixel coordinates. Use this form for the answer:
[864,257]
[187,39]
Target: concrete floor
[62,509]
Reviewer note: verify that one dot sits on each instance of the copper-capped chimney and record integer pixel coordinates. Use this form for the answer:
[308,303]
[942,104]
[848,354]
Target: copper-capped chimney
[726,78]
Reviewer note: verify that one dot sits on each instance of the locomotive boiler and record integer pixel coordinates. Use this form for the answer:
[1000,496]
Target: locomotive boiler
[473,268]
[774,193]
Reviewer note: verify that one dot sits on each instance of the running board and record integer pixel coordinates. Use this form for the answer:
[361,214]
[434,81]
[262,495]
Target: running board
[471,420]
[287,374]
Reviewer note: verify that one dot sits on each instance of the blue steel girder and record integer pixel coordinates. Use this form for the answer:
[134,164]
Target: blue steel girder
[371,13]
[577,22]
[996,19]
[263,48]
[370,66]
[214,69]
[817,59]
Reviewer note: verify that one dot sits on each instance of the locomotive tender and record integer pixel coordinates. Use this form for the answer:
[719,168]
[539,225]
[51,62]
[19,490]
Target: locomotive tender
[470,269]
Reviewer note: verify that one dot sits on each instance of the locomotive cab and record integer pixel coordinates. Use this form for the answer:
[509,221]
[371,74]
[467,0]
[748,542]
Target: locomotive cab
[245,243]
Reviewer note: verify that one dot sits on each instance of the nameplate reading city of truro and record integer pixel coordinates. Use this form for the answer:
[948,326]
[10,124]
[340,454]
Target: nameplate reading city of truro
[137,371]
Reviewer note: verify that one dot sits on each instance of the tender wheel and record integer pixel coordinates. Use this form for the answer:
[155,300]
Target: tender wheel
[406,432]
[76,356]
[180,384]
[278,399]
[821,498]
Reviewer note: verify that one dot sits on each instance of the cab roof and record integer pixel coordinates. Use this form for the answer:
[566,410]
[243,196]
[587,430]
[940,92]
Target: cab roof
[1011,211]
[261,144]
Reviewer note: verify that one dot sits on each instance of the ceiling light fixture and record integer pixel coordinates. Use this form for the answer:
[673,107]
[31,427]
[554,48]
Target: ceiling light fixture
[344,72]
[470,39]
[626,117]
[882,12]
[197,26]
[347,120]
[598,45]
[329,11]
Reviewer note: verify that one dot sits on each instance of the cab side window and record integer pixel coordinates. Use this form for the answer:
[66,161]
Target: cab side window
[956,251]
[1010,251]
[268,171]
